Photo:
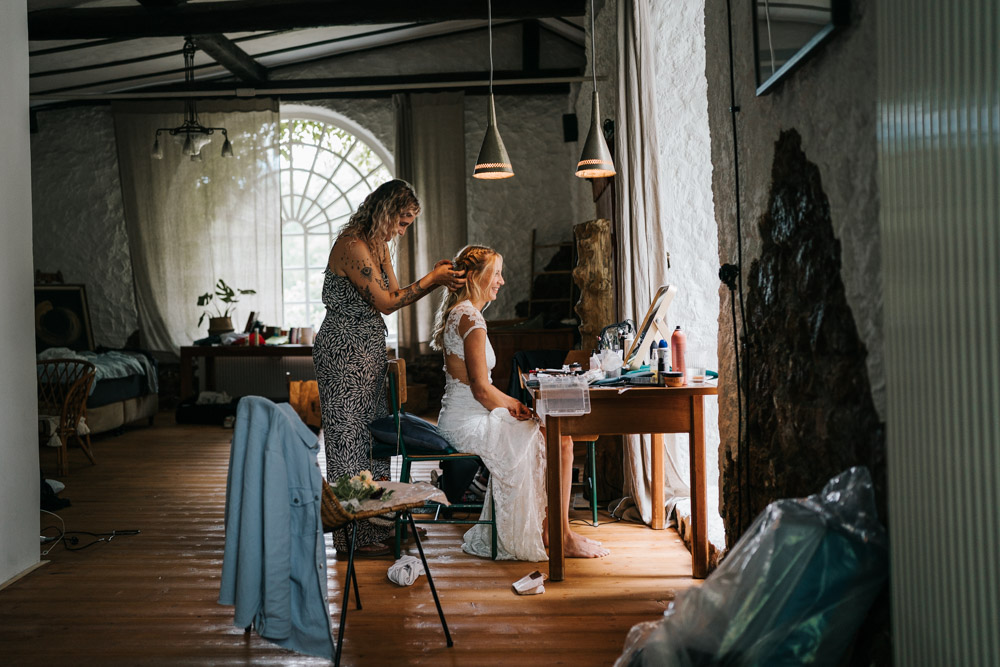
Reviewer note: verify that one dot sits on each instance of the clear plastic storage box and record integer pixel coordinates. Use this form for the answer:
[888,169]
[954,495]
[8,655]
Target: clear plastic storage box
[563,396]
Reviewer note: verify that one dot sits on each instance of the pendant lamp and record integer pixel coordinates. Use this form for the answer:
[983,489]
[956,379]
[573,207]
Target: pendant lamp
[595,161]
[493,161]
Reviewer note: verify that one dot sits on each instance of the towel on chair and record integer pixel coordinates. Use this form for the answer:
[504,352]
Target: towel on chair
[405,570]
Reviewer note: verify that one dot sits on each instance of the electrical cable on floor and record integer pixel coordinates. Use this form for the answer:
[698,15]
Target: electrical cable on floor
[69,539]
[743,465]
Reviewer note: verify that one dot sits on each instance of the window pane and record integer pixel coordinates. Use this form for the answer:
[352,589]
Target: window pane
[293,252]
[318,250]
[294,286]
[295,315]
[316,285]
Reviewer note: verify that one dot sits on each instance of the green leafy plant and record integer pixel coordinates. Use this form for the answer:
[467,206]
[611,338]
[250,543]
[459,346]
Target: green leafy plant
[350,491]
[222,302]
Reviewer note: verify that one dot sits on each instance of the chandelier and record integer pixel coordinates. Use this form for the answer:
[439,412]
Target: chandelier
[191,133]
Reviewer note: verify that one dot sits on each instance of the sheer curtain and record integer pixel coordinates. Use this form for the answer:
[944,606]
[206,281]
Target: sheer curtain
[192,223]
[430,154]
[642,244]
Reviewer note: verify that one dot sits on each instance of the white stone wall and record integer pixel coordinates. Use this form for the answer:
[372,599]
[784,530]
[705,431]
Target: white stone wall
[79,220]
[686,202]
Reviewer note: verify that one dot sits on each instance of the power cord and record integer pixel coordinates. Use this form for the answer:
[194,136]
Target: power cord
[728,273]
[69,539]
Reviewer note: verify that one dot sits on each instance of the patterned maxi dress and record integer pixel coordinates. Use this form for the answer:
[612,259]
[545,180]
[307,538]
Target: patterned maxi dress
[349,356]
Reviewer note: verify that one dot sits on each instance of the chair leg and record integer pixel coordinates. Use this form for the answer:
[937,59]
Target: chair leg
[354,574]
[430,580]
[591,456]
[85,446]
[493,524]
[62,456]
[347,592]
[398,539]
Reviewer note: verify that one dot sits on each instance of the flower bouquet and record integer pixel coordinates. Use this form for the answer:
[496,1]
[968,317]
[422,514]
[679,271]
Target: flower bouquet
[350,491]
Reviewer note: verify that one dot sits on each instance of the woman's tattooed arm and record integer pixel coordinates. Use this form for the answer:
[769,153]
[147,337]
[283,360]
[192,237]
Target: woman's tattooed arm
[362,271]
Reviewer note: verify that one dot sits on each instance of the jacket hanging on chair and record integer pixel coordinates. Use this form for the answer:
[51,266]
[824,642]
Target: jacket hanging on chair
[274,565]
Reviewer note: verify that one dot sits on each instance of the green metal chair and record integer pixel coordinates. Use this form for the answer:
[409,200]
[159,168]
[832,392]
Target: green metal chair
[436,512]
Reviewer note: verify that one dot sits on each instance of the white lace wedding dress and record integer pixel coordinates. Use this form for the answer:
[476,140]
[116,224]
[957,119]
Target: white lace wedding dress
[513,450]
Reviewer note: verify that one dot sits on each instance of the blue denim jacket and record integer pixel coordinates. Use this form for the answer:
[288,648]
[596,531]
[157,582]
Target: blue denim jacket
[274,565]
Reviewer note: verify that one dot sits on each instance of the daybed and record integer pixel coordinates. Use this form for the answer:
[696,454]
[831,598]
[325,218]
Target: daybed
[125,387]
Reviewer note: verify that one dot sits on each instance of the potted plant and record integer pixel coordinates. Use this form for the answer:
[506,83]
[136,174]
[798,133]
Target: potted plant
[219,306]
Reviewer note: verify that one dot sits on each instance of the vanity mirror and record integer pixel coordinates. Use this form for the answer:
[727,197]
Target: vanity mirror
[786,32]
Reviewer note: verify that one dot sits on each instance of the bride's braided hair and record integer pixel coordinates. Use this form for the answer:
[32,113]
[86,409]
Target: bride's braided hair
[477,261]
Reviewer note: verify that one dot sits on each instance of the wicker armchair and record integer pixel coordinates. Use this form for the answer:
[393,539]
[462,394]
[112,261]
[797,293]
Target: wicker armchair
[63,388]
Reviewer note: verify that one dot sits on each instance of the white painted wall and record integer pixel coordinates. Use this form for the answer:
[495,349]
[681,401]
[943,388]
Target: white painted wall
[19,479]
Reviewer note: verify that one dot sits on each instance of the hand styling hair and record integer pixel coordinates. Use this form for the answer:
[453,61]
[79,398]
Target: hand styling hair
[477,261]
[379,212]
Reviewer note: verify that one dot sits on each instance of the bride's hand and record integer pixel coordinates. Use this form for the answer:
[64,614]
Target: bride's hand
[445,274]
[519,411]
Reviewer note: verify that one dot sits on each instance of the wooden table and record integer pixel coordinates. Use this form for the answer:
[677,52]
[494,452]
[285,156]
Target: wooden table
[653,410]
[211,352]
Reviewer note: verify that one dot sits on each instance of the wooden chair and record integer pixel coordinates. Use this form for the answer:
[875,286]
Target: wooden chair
[396,392]
[63,388]
[405,498]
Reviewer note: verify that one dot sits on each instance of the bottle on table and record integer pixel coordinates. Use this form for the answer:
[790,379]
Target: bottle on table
[678,343]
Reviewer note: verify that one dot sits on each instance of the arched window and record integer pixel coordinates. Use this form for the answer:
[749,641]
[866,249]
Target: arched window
[326,172]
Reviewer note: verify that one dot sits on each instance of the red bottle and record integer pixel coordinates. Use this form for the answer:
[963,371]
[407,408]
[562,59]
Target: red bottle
[678,345]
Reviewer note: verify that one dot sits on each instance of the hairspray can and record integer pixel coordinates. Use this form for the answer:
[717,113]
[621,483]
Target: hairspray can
[678,343]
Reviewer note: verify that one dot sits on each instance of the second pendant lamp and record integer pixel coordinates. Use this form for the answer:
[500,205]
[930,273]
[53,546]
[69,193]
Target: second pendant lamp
[595,161]
[493,161]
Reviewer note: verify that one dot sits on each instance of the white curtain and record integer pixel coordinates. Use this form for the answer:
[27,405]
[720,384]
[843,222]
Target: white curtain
[430,154]
[192,223]
[642,244]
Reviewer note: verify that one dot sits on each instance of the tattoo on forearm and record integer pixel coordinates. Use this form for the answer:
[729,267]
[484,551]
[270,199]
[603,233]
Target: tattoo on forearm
[366,272]
[406,296]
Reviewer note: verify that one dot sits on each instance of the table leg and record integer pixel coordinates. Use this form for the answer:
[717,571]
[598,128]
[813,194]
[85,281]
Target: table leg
[187,374]
[553,458]
[658,519]
[699,495]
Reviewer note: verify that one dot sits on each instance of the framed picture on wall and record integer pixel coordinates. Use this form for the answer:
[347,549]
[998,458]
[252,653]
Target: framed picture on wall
[62,318]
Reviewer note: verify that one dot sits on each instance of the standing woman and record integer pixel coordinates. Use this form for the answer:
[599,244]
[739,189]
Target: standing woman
[349,350]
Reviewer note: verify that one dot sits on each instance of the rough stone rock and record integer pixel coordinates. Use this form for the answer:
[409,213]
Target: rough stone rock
[810,412]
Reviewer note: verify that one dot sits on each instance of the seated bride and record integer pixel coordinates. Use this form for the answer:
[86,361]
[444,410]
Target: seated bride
[478,418]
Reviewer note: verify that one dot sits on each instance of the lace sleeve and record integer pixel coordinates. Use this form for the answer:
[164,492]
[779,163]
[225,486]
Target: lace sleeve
[453,340]
[468,310]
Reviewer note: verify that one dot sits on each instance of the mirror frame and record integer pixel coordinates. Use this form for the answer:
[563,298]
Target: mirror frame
[839,18]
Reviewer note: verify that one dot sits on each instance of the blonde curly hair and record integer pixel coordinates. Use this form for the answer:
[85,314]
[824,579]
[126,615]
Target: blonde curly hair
[477,261]
[380,211]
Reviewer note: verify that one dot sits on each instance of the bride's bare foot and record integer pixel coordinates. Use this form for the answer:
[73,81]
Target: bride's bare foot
[577,546]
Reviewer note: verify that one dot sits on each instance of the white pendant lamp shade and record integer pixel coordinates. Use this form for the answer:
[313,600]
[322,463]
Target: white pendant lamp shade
[595,161]
[493,161]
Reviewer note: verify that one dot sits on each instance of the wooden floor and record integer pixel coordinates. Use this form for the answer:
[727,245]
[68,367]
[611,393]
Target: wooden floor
[150,599]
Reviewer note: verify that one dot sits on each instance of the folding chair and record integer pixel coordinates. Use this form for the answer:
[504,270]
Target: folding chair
[405,498]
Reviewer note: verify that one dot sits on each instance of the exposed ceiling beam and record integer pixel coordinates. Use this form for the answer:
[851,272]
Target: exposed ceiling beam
[223,51]
[508,82]
[253,15]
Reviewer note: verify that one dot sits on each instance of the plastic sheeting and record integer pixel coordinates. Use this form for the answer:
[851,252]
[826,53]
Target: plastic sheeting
[794,590]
